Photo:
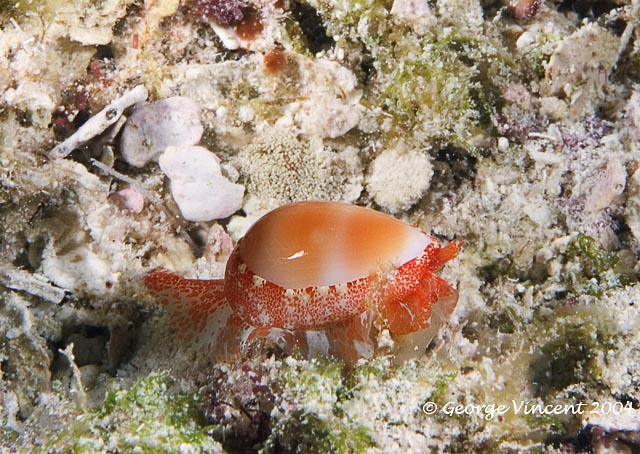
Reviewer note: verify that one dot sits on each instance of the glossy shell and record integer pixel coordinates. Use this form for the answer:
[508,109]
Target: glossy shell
[310,244]
[311,263]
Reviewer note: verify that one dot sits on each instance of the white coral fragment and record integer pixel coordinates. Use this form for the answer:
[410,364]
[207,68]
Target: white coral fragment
[155,126]
[632,113]
[200,190]
[330,102]
[97,124]
[327,117]
[580,66]
[79,269]
[34,284]
[87,22]
[29,93]
[608,186]
[410,9]
[398,178]
[416,12]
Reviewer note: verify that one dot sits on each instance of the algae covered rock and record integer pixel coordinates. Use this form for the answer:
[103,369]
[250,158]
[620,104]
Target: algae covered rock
[150,416]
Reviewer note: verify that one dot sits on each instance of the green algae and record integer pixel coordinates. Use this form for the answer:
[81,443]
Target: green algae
[146,418]
[319,424]
[601,269]
[443,83]
[441,384]
[568,358]
[306,432]
[440,87]
[596,261]
[376,368]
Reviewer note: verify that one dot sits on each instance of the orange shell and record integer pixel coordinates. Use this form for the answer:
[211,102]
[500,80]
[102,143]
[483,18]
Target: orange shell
[311,244]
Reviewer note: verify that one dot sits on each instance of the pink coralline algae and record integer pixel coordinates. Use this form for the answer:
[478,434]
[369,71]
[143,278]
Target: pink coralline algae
[222,12]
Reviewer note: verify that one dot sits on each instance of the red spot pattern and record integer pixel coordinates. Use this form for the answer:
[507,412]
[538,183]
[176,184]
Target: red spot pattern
[271,305]
[191,301]
[410,295]
[344,313]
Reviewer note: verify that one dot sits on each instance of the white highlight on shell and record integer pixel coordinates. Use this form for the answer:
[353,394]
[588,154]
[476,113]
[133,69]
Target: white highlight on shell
[415,247]
[296,255]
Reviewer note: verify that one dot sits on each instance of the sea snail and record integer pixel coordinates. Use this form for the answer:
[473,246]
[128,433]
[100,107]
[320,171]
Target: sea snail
[324,277]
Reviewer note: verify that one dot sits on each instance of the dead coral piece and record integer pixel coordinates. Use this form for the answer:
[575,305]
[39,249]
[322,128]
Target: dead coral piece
[617,430]
[580,66]
[608,187]
[632,113]
[155,126]
[327,117]
[100,122]
[80,269]
[33,284]
[198,186]
[398,177]
[281,168]
[632,212]
[416,12]
[87,22]
[78,387]
[330,106]
[26,359]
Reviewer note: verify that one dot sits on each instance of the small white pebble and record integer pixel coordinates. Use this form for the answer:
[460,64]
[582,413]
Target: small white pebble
[503,144]
[128,200]
[155,126]
[411,9]
[398,178]
[197,184]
